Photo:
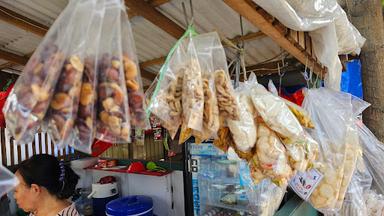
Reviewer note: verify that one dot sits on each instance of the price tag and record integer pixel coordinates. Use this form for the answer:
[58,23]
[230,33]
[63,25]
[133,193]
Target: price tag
[303,183]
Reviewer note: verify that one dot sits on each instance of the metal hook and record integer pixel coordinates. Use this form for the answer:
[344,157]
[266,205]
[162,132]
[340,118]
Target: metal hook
[188,20]
[281,74]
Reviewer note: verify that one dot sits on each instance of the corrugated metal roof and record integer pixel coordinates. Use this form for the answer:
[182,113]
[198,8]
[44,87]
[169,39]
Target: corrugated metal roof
[41,11]
[16,40]
[151,41]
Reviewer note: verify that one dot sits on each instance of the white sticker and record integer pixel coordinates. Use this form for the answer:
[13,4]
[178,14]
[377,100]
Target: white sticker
[303,183]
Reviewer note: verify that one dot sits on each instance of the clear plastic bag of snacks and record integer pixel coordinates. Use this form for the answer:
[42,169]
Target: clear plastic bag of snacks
[265,196]
[133,80]
[333,116]
[211,57]
[244,131]
[354,203]
[275,113]
[272,158]
[166,101]
[113,118]
[31,97]
[85,123]
[63,110]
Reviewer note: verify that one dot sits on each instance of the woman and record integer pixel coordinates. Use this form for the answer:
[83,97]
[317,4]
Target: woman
[45,185]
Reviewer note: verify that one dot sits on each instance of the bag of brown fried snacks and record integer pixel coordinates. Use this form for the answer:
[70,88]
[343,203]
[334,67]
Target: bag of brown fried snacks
[113,114]
[85,124]
[31,97]
[211,58]
[133,80]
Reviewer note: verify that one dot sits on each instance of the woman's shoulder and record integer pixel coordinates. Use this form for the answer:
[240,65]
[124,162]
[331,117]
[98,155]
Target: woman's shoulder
[69,211]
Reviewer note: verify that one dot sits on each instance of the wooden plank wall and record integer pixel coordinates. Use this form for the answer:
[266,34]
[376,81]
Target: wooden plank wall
[13,153]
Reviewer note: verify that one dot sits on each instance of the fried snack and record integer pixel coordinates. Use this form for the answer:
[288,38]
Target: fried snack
[171,98]
[85,124]
[302,152]
[275,113]
[30,99]
[301,115]
[255,169]
[211,119]
[65,102]
[272,155]
[193,96]
[135,96]
[228,108]
[351,154]
[223,140]
[244,131]
[113,111]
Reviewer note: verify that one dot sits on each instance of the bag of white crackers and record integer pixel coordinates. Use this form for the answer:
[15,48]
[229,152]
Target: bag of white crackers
[85,124]
[333,116]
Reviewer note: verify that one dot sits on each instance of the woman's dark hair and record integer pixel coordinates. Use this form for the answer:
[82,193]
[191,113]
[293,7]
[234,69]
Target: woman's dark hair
[47,171]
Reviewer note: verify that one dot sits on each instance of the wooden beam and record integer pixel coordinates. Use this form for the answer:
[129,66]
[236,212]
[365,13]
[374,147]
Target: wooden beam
[21,60]
[147,11]
[155,61]
[248,37]
[147,75]
[272,67]
[257,17]
[22,22]
[156,3]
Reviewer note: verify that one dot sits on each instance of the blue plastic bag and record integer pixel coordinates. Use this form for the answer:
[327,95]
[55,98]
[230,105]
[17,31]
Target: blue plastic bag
[351,79]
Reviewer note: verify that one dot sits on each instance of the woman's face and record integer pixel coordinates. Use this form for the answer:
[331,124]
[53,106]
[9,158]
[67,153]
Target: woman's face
[26,196]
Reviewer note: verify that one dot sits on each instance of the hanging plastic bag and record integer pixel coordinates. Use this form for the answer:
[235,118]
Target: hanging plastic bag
[354,202]
[29,101]
[301,115]
[211,57]
[271,155]
[85,123]
[63,109]
[264,197]
[332,114]
[373,151]
[244,131]
[113,119]
[351,155]
[166,102]
[275,113]
[303,150]
[7,181]
[132,76]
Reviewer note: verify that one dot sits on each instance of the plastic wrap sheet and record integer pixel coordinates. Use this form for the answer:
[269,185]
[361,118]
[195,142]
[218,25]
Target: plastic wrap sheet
[373,151]
[7,181]
[331,32]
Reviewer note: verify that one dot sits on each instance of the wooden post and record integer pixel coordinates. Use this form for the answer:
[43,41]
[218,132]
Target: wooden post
[367,16]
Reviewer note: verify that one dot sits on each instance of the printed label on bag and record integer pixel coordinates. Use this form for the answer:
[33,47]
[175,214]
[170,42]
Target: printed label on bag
[303,183]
